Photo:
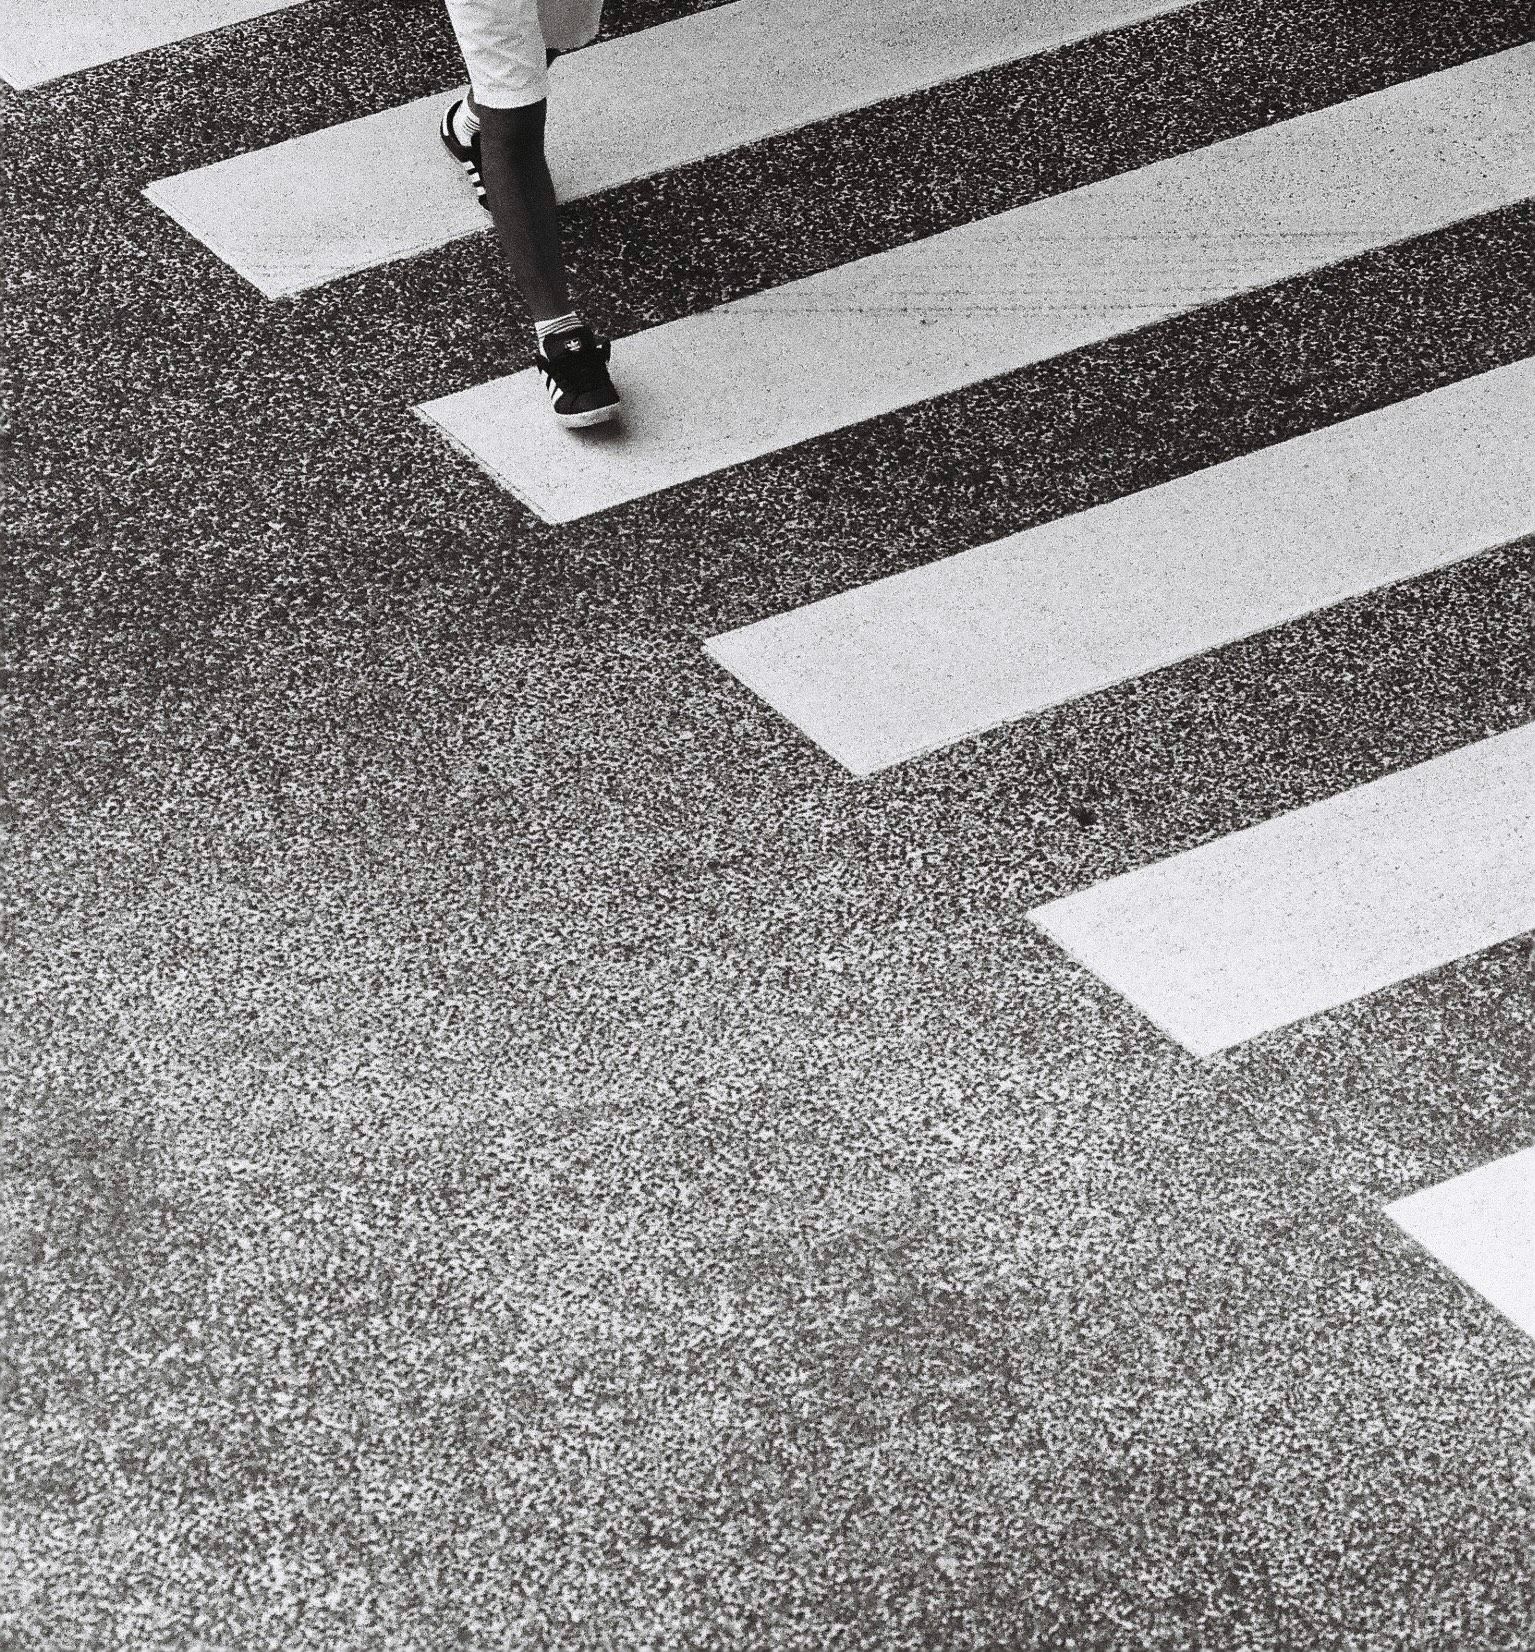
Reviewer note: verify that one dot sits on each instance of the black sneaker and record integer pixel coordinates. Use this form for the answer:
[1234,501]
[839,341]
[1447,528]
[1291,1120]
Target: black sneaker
[466,154]
[574,365]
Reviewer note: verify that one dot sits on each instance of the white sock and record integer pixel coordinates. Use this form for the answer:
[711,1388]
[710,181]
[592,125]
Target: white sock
[557,324]
[465,122]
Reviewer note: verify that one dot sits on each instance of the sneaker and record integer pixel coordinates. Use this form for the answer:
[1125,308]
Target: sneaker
[574,365]
[466,154]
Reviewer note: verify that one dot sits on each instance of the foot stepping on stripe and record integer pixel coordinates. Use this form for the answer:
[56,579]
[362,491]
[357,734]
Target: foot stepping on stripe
[1267,926]
[1482,1227]
[914,662]
[765,372]
[374,190]
[43,39]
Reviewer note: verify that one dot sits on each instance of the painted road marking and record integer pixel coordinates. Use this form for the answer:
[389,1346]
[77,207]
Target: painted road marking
[1305,912]
[43,39]
[780,367]
[380,188]
[916,661]
[1482,1227]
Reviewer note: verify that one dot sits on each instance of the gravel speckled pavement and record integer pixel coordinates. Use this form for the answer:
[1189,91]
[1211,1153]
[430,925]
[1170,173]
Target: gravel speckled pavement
[508,1146]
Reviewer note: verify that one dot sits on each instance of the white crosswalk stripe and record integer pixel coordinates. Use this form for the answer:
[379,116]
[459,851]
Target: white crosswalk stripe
[40,40]
[914,662]
[1481,1226]
[370,191]
[1300,914]
[801,360]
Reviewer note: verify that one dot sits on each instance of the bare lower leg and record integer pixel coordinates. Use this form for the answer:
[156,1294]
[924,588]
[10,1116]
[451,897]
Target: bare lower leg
[521,196]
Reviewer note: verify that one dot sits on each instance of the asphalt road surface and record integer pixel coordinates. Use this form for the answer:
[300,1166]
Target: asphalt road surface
[555,1095]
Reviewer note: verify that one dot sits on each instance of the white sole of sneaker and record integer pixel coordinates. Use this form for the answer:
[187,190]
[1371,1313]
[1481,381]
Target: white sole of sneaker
[583,421]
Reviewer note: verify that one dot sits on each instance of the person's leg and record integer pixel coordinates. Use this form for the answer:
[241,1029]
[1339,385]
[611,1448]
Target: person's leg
[497,136]
[522,205]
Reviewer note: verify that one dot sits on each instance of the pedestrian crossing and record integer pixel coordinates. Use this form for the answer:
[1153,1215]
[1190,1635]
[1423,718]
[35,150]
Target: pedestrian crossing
[885,672]
[1481,1225]
[1245,934]
[945,313]
[1270,925]
[41,40]
[370,191]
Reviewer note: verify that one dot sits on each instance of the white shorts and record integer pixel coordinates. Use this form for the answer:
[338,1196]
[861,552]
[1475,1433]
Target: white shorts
[504,42]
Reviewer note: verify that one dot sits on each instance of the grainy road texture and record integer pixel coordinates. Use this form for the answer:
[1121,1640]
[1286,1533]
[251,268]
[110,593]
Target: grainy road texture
[506,1145]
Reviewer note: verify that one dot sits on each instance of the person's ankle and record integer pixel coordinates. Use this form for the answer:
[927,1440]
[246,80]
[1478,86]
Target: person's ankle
[550,325]
[466,123]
